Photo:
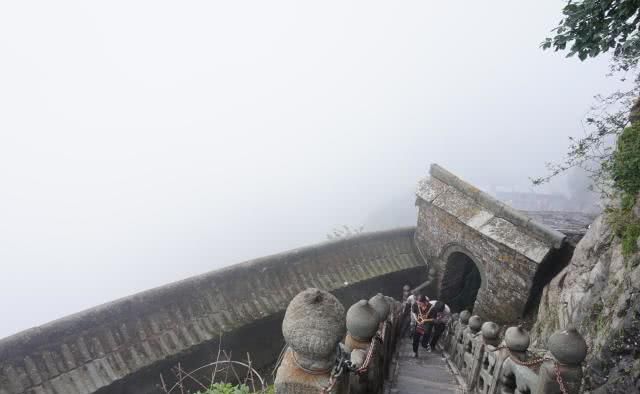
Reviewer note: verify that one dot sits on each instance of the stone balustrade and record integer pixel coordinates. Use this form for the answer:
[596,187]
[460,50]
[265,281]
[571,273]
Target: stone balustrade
[490,365]
[324,357]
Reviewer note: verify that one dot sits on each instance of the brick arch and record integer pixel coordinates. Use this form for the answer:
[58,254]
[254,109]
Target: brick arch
[455,247]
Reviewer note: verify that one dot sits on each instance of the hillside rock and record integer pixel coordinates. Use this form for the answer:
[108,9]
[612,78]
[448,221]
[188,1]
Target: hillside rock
[599,292]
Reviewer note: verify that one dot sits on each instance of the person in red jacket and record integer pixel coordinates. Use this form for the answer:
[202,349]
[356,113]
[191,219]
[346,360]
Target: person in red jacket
[419,312]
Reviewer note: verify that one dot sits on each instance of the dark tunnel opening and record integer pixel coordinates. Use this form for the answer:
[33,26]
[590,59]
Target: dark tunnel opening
[460,283]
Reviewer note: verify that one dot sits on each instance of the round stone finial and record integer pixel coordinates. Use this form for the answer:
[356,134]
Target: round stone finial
[475,323]
[568,346]
[380,304]
[362,321]
[490,330]
[313,324]
[464,317]
[517,339]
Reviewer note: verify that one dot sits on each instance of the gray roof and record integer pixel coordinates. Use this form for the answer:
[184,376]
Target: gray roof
[573,224]
[487,215]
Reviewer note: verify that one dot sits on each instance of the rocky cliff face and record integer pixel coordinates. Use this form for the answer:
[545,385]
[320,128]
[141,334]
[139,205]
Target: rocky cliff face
[599,292]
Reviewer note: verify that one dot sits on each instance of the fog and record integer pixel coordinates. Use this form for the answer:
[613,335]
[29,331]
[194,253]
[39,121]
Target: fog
[145,142]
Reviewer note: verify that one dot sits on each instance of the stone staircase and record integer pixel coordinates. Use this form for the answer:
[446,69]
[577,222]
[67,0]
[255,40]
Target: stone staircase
[429,373]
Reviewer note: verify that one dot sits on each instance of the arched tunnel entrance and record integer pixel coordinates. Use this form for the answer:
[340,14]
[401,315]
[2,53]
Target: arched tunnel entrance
[460,283]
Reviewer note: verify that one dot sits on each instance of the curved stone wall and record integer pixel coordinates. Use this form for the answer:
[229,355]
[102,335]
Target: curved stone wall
[122,346]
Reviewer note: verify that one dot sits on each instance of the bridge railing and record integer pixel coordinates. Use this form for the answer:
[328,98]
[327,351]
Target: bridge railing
[328,353]
[489,364]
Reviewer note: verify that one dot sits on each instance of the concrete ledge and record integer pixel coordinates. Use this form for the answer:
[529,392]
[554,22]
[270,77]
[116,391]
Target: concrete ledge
[91,350]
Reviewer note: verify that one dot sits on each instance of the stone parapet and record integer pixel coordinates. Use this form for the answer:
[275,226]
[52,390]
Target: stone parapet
[97,348]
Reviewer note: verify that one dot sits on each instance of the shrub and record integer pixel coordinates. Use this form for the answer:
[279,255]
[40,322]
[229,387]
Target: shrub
[625,166]
[630,239]
[226,388]
[625,224]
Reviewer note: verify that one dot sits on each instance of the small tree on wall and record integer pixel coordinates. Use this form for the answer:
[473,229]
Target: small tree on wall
[587,29]
[610,149]
[344,231]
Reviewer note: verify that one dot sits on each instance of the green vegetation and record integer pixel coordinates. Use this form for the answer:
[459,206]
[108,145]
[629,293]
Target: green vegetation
[625,225]
[625,173]
[228,388]
[589,28]
[630,239]
[625,163]
[592,27]
[610,150]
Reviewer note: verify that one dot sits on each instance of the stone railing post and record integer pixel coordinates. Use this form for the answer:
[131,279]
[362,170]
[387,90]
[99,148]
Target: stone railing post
[396,324]
[517,373]
[362,326]
[383,309]
[517,340]
[491,359]
[458,346]
[472,352]
[313,326]
[491,333]
[448,343]
[561,372]
[405,318]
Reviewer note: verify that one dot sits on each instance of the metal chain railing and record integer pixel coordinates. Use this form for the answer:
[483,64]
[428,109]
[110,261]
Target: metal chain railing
[367,360]
[342,363]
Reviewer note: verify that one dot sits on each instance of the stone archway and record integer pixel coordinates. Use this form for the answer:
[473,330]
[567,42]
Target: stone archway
[461,280]
[505,246]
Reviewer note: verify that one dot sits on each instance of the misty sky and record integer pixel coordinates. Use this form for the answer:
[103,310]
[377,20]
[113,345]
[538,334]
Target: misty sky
[144,142]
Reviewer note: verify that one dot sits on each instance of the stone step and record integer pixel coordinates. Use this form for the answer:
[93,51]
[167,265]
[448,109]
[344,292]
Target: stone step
[409,385]
[428,373]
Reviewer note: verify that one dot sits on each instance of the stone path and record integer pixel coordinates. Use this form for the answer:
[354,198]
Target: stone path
[429,373]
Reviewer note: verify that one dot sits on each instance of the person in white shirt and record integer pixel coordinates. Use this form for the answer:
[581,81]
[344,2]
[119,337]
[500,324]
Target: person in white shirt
[439,315]
[410,324]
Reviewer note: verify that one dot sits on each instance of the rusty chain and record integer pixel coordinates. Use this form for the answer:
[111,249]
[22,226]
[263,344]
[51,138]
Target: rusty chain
[537,361]
[342,363]
[556,369]
[367,360]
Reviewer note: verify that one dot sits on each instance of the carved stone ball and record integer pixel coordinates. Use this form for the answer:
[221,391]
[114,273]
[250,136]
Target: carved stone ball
[362,320]
[464,317]
[517,339]
[313,324]
[381,305]
[490,330]
[568,346]
[475,323]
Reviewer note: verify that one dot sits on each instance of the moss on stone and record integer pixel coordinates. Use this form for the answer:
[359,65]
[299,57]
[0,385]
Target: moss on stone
[625,225]
[630,239]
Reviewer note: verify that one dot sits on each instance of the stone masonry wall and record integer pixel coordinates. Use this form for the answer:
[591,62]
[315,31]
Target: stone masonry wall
[99,349]
[507,275]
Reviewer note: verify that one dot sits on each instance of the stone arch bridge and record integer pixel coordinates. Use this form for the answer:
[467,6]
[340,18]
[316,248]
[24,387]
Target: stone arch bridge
[465,243]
